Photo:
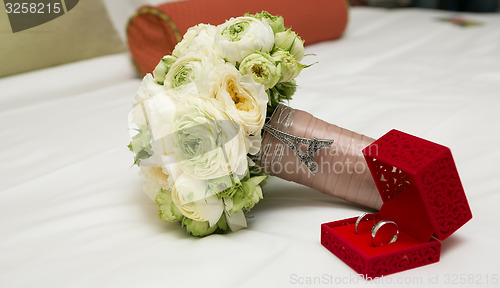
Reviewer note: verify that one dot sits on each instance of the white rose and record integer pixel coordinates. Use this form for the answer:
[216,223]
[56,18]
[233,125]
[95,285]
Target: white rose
[239,37]
[136,120]
[159,111]
[195,201]
[244,100]
[153,181]
[198,38]
[151,121]
[152,114]
[149,87]
[171,167]
[208,143]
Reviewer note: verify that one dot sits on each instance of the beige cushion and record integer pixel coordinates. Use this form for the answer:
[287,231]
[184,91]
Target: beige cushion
[83,32]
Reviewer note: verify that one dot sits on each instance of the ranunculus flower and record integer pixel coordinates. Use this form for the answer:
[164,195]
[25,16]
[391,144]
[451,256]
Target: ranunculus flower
[183,72]
[208,143]
[290,67]
[199,39]
[195,201]
[289,41]
[244,100]
[262,68]
[189,73]
[239,37]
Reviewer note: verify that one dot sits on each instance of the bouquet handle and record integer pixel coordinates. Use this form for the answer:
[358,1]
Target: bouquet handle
[299,147]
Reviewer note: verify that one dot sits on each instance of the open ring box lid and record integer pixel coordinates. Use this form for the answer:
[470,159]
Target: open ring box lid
[421,190]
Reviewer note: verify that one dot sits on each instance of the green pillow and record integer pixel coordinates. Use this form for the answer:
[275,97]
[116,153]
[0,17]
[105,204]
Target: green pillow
[81,30]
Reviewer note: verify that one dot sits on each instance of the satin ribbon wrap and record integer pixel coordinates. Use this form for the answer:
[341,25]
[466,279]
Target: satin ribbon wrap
[341,168]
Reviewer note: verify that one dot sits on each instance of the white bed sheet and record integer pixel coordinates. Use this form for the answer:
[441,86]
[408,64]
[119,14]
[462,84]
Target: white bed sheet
[72,213]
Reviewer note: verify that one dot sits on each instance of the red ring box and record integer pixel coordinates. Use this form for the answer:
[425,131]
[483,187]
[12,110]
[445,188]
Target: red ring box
[419,184]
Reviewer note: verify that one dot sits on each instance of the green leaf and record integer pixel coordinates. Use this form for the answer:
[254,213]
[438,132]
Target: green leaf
[222,224]
[140,145]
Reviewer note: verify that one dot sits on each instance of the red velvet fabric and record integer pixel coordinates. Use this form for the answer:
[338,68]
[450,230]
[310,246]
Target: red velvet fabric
[150,37]
[419,184]
[362,241]
[371,262]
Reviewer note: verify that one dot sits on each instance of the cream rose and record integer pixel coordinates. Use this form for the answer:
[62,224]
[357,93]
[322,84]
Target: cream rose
[244,100]
[153,180]
[195,201]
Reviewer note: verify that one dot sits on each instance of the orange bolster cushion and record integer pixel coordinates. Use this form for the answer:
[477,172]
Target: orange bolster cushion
[153,32]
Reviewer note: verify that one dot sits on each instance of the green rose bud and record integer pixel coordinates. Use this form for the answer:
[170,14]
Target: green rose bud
[262,68]
[246,196]
[167,209]
[277,23]
[198,228]
[257,195]
[242,198]
[202,229]
[162,68]
[291,42]
[290,67]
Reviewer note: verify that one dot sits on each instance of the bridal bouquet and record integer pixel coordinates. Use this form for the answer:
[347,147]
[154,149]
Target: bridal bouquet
[197,120]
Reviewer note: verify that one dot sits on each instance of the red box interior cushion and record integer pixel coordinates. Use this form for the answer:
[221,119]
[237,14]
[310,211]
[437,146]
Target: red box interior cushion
[363,239]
